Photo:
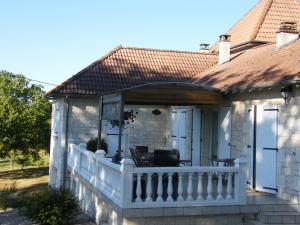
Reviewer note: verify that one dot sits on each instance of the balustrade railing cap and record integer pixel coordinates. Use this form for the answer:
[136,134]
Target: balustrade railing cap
[239,161]
[100,153]
[127,161]
[82,145]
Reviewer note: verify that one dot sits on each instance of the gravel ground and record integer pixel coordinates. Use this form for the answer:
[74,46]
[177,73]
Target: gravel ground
[11,217]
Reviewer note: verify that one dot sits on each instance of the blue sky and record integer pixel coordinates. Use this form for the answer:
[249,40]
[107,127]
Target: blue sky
[52,40]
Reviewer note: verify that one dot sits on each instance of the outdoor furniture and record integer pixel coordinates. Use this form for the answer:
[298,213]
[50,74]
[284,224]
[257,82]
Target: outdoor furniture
[139,160]
[142,149]
[166,158]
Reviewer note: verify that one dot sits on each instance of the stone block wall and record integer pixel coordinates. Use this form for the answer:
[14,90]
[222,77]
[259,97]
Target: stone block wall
[148,129]
[288,140]
[83,119]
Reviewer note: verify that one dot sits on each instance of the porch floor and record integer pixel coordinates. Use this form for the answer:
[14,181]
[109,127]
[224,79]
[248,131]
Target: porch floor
[260,198]
[256,202]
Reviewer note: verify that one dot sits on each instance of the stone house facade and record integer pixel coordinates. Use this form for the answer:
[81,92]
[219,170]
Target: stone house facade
[238,99]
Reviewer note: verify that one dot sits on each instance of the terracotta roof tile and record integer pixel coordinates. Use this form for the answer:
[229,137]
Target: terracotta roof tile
[127,67]
[263,21]
[258,66]
[280,11]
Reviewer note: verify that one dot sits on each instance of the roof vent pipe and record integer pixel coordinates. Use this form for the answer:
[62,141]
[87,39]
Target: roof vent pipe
[224,49]
[287,34]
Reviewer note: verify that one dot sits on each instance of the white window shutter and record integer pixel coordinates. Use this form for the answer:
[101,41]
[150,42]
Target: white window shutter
[224,132]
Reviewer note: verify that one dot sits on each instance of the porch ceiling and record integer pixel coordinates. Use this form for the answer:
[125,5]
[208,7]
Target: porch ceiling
[172,94]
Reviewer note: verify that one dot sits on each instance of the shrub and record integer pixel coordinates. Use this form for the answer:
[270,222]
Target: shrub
[92,145]
[52,207]
[23,161]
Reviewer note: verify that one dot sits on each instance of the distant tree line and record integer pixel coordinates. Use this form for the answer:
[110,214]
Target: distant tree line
[24,116]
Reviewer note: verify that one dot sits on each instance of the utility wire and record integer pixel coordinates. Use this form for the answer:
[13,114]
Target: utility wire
[42,82]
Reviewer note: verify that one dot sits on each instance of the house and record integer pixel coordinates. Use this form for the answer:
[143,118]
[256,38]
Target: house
[239,100]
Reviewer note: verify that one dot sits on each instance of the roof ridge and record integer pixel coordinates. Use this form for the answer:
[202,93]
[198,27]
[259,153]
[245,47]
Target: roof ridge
[168,50]
[261,19]
[244,16]
[108,54]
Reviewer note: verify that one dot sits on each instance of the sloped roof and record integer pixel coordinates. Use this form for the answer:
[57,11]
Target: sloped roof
[125,67]
[259,66]
[263,21]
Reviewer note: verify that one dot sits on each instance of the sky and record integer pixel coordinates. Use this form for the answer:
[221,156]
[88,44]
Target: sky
[51,40]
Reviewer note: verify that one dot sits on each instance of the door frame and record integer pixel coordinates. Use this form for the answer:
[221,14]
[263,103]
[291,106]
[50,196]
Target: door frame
[196,137]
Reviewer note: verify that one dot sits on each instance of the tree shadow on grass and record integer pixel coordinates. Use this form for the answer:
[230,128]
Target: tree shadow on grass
[26,173]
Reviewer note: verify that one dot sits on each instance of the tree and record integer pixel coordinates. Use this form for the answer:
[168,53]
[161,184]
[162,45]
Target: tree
[24,116]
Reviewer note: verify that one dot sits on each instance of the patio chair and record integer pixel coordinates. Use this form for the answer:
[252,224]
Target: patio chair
[142,149]
[166,158]
[138,160]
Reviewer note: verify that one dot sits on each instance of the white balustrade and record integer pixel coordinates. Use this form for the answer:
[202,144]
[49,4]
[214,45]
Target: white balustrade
[180,188]
[220,187]
[170,187]
[159,188]
[97,170]
[229,187]
[200,187]
[132,187]
[190,186]
[139,189]
[149,188]
[209,187]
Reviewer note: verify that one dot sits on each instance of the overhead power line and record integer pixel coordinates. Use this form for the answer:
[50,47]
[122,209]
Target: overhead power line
[38,81]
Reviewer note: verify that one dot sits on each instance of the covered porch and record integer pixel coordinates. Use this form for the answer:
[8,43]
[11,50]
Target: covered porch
[193,119]
[164,117]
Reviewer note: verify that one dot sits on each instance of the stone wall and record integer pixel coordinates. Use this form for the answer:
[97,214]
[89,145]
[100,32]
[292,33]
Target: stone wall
[148,129]
[83,119]
[288,140]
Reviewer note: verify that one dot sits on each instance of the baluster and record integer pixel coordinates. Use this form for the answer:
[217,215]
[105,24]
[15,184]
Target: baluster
[180,188]
[229,187]
[209,187]
[139,188]
[220,187]
[190,187]
[159,188]
[199,188]
[149,188]
[170,188]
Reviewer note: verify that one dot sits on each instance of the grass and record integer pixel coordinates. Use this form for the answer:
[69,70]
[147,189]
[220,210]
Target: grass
[16,184]
[5,165]
[24,179]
